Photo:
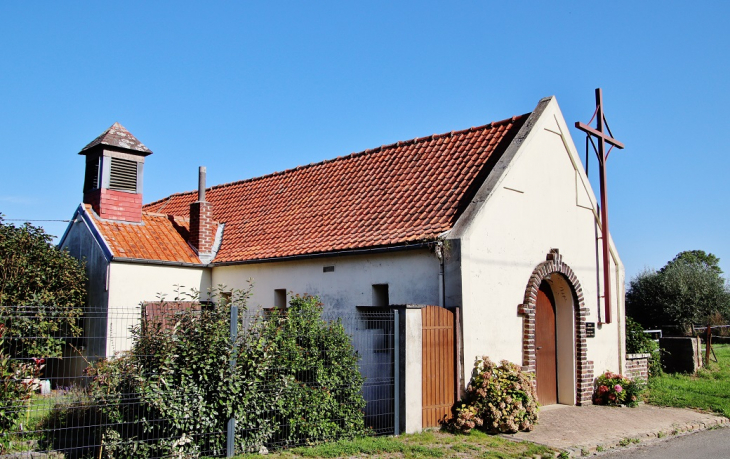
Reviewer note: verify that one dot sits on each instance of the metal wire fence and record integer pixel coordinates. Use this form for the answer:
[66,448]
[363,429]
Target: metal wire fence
[186,380]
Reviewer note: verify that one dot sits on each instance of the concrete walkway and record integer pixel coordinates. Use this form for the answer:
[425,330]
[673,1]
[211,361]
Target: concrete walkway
[587,429]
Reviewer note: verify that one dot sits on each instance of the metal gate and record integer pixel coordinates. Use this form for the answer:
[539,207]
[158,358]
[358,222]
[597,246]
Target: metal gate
[438,364]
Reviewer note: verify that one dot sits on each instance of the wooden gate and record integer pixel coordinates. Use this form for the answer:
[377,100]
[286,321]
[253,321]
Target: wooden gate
[438,364]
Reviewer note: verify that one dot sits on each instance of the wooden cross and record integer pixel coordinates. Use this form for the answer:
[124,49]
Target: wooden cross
[603,139]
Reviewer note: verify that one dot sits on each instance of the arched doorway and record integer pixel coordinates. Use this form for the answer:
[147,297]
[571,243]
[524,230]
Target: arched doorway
[546,359]
[556,287]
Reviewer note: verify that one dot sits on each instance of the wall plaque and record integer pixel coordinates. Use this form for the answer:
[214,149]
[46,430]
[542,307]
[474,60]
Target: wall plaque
[590,329]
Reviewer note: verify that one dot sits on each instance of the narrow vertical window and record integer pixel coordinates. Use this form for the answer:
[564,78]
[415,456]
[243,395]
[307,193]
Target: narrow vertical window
[91,179]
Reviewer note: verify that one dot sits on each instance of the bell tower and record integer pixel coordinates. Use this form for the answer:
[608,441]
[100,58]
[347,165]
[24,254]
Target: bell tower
[113,179]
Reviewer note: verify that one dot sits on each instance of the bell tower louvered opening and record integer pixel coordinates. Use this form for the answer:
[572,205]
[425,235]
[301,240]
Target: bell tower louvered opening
[113,179]
[91,179]
[123,175]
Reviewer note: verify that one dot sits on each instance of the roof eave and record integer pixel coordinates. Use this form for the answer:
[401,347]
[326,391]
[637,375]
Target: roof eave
[91,226]
[143,261]
[337,253]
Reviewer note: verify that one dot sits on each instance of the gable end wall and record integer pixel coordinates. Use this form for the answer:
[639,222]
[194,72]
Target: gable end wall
[540,200]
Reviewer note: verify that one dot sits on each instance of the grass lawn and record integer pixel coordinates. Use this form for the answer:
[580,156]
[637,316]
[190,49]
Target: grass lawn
[424,445]
[708,390]
[22,439]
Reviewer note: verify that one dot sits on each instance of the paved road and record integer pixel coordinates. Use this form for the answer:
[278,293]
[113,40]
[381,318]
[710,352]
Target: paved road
[705,444]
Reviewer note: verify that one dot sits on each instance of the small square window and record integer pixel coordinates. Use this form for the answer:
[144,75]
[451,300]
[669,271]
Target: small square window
[380,295]
[226,298]
[280,298]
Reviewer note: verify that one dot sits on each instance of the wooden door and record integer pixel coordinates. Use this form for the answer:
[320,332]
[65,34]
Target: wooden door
[438,364]
[545,348]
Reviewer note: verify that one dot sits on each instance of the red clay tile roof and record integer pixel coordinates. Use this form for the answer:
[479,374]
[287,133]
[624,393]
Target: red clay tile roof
[397,194]
[159,237]
[118,136]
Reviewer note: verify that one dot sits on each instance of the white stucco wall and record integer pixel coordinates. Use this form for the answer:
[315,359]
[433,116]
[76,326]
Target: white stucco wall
[543,202]
[132,283]
[411,275]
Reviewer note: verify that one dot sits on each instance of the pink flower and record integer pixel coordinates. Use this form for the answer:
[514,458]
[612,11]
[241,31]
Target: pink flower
[618,388]
[612,397]
[602,390]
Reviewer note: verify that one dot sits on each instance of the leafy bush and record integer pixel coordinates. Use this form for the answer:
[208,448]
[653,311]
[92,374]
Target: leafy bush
[42,290]
[499,399]
[17,384]
[175,391]
[614,389]
[638,342]
[322,400]
[296,380]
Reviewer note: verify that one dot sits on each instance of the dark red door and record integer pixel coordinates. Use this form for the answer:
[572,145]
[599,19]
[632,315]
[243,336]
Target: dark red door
[546,361]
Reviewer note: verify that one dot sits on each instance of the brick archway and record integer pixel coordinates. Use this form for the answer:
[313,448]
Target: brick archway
[584,368]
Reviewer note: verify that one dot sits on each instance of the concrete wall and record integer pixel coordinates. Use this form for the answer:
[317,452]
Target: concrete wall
[132,283]
[542,201]
[411,276]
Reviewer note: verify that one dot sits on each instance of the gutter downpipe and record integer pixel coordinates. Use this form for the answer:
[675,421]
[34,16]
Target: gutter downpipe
[442,290]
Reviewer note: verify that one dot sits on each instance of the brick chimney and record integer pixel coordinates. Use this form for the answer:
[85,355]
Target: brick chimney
[113,179]
[201,220]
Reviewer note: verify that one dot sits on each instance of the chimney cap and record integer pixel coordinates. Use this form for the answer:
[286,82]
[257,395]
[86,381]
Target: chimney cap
[119,137]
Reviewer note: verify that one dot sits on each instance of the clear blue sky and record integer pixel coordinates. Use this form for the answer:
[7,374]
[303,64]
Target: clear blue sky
[248,88]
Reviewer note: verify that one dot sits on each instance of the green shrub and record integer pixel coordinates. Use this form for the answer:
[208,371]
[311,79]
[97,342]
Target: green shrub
[498,399]
[638,342]
[322,400]
[173,394]
[16,387]
[295,381]
[42,289]
[615,389]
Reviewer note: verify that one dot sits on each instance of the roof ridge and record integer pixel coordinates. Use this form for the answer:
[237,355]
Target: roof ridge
[368,151]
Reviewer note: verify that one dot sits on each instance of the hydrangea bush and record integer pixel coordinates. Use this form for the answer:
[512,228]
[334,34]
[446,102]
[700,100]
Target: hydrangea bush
[615,389]
[500,398]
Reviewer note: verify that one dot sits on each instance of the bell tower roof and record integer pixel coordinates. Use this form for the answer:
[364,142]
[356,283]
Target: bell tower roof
[118,136]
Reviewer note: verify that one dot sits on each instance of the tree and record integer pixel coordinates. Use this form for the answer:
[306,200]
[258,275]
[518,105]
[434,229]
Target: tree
[697,258]
[688,290]
[42,292]
[644,300]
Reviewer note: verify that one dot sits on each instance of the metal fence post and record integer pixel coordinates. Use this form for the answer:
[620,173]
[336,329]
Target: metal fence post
[396,371]
[231,434]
